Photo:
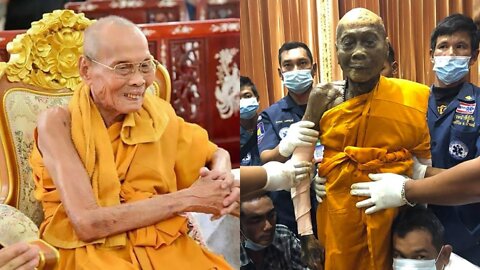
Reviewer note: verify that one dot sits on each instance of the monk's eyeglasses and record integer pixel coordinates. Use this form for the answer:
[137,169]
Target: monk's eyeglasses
[127,69]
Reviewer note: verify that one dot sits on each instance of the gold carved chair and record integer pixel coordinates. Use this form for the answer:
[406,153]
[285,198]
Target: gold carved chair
[41,73]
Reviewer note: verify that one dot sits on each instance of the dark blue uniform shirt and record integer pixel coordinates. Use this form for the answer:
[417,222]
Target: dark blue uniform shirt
[455,138]
[272,127]
[253,157]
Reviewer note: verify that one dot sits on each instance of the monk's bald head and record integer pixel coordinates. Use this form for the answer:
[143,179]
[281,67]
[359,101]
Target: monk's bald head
[94,40]
[360,17]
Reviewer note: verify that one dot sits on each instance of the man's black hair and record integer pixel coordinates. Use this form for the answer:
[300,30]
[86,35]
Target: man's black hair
[456,23]
[246,82]
[287,46]
[419,218]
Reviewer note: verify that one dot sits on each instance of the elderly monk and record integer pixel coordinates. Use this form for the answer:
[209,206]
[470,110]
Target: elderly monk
[116,170]
[376,126]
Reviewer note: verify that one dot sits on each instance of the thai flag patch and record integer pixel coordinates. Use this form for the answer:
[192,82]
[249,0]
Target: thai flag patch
[466,108]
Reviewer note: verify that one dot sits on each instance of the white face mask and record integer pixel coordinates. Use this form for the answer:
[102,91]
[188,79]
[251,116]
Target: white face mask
[247,243]
[410,264]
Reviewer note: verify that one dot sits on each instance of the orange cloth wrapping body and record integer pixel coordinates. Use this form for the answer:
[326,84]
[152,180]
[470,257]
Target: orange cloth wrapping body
[151,152]
[372,133]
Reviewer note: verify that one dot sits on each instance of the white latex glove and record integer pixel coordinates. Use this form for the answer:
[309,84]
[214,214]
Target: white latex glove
[299,134]
[385,191]
[420,168]
[286,175]
[320,189]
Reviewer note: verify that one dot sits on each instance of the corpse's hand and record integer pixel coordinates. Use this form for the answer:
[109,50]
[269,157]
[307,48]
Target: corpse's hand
[313,254]
[385,191]
[326,96]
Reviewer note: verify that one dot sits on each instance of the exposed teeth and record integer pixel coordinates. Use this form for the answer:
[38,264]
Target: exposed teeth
[133,96]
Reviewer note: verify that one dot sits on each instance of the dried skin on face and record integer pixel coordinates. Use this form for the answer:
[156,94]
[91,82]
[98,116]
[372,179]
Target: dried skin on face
[361,45]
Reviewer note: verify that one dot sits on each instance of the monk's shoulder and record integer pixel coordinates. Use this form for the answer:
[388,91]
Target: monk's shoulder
[411,93]
[162,105]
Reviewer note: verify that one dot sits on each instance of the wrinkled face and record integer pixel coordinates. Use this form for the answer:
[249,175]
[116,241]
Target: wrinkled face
[362,51]
[116,95]
[258,220]
[295,59]
[457,44]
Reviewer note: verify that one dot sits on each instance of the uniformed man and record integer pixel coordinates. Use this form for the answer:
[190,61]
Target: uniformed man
[454,123]
[249,102]
[280,130]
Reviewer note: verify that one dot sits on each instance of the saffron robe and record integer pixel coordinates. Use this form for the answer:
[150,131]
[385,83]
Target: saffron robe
[375,132]
[151,152]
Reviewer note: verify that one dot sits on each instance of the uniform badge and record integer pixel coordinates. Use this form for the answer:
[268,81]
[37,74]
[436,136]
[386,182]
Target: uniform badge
[466,108]
[458,150]
[318,153]
[283,132]
[246,160]
[260,131]
[441,109]
[468,98]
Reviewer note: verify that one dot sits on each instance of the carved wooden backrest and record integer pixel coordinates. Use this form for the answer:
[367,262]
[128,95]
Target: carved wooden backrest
[218,9]
[41,73]
[203,58]
[138,11]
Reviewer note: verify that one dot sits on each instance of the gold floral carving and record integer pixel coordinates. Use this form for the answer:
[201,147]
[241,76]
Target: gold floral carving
[47,54]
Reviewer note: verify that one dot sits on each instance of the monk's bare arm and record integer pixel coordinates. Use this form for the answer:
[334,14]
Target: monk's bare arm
[91,221]
[322,98]
[457,185]
[220,161]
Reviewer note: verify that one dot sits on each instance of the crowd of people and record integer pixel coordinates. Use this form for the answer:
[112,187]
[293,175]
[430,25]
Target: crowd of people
[368,137]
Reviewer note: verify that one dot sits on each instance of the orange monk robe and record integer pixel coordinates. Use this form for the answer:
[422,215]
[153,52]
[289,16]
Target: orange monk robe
[372,133]
[151,152]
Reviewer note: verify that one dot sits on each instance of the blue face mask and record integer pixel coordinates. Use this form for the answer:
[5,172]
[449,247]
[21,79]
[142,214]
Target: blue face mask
[298,81]
[410,264]
[451,69]
[248,107]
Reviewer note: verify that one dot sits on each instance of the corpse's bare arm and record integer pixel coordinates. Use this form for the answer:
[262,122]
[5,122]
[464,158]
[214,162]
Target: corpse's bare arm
[91,221]
[322,97]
